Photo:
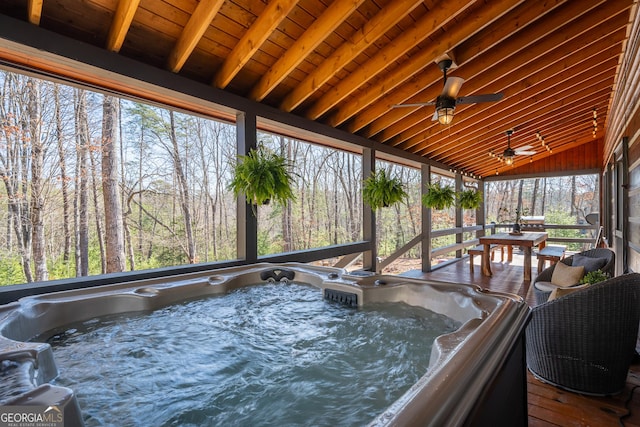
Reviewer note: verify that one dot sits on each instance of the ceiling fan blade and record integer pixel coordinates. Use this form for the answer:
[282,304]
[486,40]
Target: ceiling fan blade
[452,86]
[415,104]
[474,99]
[525,153]
[434,118]
[524,148]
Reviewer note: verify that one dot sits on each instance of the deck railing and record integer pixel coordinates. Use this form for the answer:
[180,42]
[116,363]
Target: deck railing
[554,230]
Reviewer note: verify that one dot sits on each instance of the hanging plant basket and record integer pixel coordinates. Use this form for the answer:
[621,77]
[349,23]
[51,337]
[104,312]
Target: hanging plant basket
[438,197]
[262,176]
[380,191]
[469,199]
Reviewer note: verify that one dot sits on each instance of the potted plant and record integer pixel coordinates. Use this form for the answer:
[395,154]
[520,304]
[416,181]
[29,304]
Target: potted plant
[593,277]
[469,199]
[381,191]
[438,196]
[262,176]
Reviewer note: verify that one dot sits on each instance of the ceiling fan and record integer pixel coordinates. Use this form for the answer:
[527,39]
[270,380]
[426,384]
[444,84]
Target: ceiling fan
[509,153]
[446,102]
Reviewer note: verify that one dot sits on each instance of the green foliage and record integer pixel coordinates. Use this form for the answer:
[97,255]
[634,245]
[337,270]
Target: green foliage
[439,197]
[557,216]
[11,271]
[469,199]
[381,191]
[262,176]
[593,277]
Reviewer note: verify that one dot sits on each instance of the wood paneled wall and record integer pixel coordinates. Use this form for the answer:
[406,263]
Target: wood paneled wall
[624,121]
[584,157]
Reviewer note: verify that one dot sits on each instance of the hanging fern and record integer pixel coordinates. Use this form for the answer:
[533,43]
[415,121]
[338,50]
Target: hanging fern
[438,197]
[379,190]
[262,176]
[469,199]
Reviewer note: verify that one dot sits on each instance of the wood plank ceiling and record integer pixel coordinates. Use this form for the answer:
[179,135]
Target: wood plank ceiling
[347,63]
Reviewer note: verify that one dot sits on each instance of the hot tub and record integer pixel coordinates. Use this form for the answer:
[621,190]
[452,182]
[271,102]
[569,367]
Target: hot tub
[476,374]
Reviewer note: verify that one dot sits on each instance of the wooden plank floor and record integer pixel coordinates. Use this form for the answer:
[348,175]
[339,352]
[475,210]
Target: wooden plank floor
[548,405]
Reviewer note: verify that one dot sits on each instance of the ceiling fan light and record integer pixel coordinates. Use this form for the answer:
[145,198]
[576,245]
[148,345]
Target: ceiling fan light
[445,115]
[508,160]
[444,109]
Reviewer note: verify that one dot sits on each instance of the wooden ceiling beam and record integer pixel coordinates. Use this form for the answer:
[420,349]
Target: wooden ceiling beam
[252,40]
[34,11]
[527,91]
[550,48]
[508,57]
[552,125]
[321,28]
[364,37]
[398,47]
[194,30]
[577,95]
[554,133]
[381,114]
[531,97]
[122,19]
[577,142]
[511,117]
[519,17]
[491,35]
[484,141]
[481,163]
[518,21]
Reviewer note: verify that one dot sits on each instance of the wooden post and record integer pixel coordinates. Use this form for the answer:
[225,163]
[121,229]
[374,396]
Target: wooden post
[369,261]
[246,219]
[426,221]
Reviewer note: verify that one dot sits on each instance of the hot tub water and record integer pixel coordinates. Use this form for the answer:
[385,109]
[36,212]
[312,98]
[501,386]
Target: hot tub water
[275,354]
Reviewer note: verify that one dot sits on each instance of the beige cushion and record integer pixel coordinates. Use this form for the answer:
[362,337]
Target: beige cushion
[560,292]
[563,275]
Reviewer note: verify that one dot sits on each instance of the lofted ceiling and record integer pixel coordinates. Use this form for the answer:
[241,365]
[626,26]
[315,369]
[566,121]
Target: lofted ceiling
[349,63]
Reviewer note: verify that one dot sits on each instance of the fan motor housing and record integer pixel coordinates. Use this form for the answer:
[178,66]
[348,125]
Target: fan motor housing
[444,101]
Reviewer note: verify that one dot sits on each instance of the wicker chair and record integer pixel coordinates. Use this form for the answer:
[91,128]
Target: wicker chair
[545,276]
[585,341]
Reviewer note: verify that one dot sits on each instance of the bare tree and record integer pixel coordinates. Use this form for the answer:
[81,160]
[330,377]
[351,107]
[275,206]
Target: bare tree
[64,178]
[82,178]
[38,151]
[14,163]
[114,232]
[183,188]
[96,209]
[534,196]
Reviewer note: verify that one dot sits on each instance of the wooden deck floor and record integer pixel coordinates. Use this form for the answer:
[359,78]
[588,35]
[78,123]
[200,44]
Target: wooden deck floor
[549,405]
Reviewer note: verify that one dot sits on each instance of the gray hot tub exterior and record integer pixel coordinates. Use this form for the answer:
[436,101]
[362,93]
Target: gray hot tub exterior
[477,374]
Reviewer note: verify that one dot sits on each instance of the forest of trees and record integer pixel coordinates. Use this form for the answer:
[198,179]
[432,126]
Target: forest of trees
[96,184]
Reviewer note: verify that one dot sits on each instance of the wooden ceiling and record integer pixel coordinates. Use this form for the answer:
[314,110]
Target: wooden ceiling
[346,63]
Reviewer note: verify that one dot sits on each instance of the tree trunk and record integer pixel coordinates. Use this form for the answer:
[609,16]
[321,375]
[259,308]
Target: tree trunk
[82,138]
[536,185]
[544,195]
[96,209]
[183,189]
[64,178]
[14,170]
[38,151]
[520,187]
[286,212]
[114,231]
[573,195]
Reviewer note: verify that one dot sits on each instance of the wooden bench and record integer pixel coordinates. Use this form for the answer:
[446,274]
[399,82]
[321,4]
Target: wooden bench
[479,250]
[550,253]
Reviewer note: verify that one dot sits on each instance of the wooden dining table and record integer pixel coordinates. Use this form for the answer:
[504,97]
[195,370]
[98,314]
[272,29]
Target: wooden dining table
[526,240]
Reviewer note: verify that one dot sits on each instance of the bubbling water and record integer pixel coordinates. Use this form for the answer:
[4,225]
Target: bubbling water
[274,354]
